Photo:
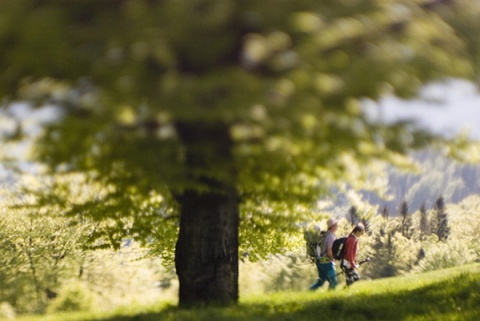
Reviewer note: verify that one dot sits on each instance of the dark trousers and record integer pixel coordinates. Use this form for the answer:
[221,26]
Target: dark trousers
[351,275]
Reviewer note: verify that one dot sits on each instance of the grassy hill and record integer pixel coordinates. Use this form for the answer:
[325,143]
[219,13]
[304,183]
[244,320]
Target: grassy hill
[451,294]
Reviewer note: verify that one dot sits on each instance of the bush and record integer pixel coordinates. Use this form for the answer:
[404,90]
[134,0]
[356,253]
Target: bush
[6,311]
[444,255]
[73,296]
[277,273]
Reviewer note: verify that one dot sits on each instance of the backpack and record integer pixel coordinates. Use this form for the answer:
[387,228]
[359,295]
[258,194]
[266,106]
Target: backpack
[314,238]
[338,247]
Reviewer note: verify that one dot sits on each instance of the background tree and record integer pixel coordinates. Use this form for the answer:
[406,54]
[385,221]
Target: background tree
[424,230]
[353,216]
[385,214]
[406,224]
[465,224]
[384,257]
[441,228]
[40,250]
[366,224]
[202,113]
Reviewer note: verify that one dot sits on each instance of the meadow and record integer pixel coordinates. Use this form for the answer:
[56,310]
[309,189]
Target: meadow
[442,295]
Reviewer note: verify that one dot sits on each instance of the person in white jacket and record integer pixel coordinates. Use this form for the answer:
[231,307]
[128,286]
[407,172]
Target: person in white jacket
[325,262]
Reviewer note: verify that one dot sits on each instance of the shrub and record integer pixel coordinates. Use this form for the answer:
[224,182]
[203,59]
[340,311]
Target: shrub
[6,311]
[443,255]
[74,296]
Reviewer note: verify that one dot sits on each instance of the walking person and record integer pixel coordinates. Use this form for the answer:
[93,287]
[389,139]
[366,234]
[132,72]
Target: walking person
[349,263]
[325,262]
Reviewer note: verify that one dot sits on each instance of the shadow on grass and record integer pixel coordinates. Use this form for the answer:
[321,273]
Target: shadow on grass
[454,299]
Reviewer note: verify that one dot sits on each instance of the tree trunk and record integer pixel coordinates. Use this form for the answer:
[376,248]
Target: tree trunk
[206,257]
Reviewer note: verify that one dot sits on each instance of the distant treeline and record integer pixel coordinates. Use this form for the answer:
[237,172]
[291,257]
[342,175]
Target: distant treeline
[440,176]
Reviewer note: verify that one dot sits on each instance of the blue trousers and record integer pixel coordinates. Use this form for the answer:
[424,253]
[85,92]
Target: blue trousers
[326,272]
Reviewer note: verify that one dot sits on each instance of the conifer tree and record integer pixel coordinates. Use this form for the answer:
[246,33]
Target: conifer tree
[383,256]
[353,215]
[385,212]
[385,215]
[406,220]
[442,230]
[366,224]
[423,222]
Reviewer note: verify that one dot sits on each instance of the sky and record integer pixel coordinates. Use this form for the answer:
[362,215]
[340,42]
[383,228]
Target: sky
[449,108]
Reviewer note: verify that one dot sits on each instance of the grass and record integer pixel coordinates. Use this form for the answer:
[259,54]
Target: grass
[445,295]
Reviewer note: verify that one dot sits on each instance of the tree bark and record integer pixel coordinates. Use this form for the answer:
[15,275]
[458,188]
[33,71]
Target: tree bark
[206,257]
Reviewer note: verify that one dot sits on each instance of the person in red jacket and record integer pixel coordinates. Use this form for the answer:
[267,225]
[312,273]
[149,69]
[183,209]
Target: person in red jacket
[349,263]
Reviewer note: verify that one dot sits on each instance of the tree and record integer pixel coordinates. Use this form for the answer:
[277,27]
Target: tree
[424,230]
[353,215]
[384,256]
[406,224]
[40,250]
[465,224]
[366,224]
[208,112]
[441,228]
[385,220]
[385,213]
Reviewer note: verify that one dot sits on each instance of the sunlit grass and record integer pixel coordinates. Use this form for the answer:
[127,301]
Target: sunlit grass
[451,294]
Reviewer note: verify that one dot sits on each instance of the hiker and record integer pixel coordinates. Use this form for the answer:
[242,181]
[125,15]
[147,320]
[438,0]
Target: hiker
[348,263]
[325,262]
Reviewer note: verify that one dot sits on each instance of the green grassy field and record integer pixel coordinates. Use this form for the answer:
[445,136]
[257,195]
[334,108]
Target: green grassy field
[451,294]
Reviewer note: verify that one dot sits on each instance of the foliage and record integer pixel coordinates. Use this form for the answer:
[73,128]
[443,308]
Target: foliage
[423,224]
[290,272]
[353,215]
[47,253]
[435,253]
[441,255]
[73,296]
[385,213]
[464,221]
[440,227]
[286,83]
[39,250]
[405,227]
[128,276]
[7,312]
[279,224]
[384,257]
